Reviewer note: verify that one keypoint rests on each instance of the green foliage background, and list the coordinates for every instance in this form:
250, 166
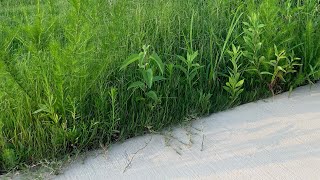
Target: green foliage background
72, 78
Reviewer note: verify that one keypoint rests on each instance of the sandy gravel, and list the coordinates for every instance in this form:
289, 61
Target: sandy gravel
277, 138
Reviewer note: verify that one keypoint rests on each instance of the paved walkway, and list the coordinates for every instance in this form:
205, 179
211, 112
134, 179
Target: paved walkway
278, 138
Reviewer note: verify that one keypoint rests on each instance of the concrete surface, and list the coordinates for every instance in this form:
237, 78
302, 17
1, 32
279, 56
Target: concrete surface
277, 138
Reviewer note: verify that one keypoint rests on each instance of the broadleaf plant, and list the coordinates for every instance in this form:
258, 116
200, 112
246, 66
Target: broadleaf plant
234, 86
148, 66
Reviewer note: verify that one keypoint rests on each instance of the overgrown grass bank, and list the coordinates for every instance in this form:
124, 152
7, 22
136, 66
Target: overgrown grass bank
76, 74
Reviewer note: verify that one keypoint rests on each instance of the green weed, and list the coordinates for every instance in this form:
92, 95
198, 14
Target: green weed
73, 75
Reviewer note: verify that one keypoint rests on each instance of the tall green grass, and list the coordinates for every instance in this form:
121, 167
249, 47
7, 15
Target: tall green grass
76, 74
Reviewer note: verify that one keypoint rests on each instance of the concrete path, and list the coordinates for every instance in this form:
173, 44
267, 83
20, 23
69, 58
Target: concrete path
278, 138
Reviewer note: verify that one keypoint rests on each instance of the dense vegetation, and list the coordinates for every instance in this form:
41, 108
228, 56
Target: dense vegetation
76, 74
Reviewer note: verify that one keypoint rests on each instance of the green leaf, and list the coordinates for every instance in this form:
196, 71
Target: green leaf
239, 92
240, 83
266, 73
196, 68
227, 89
252, 70
184, 70
195, 65
183, 59
259, 46
192, 57
152, 95
192, 75
281, 69
139, 98
159, 62
245, 23
262, 59
131, 59
170, 68
296, 64
137, 84
158, 78
282, 78
148, 77
43, 108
